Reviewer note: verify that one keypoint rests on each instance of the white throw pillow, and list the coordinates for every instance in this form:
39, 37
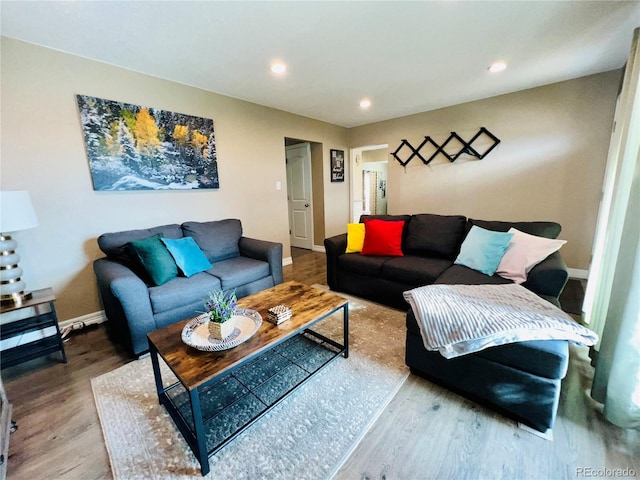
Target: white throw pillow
525, 252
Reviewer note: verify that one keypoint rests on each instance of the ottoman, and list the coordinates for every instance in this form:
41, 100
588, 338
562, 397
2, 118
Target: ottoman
520, 380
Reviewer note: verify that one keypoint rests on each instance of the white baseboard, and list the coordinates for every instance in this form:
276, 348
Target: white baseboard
287, 261
578, 273
318, 248
84, 320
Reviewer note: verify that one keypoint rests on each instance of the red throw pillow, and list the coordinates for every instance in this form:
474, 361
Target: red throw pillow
383, 237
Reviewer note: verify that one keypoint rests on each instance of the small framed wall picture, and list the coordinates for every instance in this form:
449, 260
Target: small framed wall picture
337, 165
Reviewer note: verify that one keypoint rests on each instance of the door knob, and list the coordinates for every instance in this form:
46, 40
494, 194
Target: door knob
306, 205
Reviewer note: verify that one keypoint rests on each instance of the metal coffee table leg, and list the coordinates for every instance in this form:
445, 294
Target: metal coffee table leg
201, 439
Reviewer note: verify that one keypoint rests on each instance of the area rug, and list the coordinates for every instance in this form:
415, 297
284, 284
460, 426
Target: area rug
307, 436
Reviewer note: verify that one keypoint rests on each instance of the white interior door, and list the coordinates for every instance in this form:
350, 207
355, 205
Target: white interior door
299, 195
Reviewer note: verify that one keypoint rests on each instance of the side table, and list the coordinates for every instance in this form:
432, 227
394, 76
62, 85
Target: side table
33, 315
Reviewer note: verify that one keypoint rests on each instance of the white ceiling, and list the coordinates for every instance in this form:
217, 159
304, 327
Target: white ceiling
407, 57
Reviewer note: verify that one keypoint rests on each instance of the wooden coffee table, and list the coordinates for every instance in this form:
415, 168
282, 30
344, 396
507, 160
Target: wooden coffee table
219, 394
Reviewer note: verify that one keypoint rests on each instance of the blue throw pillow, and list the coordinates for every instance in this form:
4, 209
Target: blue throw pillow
483, 249
187, 254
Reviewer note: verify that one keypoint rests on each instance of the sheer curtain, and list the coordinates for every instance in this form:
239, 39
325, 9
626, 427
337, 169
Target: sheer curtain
612, 299
370, 191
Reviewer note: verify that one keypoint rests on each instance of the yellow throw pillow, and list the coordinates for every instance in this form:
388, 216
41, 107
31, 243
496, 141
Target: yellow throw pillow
355, 237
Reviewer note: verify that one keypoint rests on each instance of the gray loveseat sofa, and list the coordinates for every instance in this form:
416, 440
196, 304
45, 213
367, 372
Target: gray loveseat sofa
135, 306
521, 380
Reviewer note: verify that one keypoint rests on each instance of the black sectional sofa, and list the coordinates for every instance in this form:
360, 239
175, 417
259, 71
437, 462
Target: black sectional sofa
521, 380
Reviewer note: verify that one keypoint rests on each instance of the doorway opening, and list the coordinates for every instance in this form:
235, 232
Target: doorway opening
305, 193
369, 166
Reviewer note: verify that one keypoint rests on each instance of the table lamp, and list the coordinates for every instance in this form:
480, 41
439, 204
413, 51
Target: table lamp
16, 213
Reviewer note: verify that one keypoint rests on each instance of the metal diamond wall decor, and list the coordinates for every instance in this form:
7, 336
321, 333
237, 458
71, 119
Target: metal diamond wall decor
466, 147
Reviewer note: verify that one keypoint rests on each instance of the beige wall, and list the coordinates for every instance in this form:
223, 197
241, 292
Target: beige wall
317, 187
379, 155
43, 152
548, 166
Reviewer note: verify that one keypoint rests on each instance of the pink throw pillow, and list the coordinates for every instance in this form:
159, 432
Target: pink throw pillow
525, 252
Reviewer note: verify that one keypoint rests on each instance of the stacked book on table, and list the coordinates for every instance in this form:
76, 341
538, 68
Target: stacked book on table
278, 314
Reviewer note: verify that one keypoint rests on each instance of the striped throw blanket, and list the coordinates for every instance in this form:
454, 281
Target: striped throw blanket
460, 319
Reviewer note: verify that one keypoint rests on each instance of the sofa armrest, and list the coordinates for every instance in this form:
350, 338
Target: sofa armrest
270, 252
334, 247
549, 277
126, 301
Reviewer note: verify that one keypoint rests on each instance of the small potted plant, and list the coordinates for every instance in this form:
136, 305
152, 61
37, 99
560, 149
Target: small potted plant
219, 308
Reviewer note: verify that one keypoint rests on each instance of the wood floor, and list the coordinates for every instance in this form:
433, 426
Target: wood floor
425, 432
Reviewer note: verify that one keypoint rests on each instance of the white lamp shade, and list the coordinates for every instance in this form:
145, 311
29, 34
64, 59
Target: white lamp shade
16, 211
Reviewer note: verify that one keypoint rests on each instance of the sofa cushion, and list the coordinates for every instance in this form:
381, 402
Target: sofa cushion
435, 235
187, 255
549, 277
483, 249
546, 358
112, 244
383, 237
365, 265
182, 291
414, 270
237, 271
540, 229
389, 218
218, 239
153, 258
461, 275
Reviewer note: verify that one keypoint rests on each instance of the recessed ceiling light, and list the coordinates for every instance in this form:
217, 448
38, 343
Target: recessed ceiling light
278, 67
497, 67
365, 103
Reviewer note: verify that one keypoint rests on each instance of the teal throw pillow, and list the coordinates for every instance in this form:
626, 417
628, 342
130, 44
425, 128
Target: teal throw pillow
483, 249
151, 254
187, 254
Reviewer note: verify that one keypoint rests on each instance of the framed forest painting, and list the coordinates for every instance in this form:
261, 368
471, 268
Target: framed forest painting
130, 147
